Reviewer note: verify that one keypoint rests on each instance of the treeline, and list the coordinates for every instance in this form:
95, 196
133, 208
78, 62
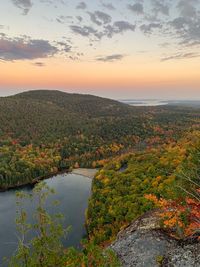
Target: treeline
42, 132
120, 189
165, 177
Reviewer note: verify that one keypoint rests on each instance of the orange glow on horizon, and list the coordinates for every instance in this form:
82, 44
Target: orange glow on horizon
99, 75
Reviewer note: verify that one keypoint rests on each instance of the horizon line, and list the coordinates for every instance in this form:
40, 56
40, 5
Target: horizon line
118, 99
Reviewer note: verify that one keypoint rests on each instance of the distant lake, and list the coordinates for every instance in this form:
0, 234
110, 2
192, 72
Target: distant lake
72, 190
144, 103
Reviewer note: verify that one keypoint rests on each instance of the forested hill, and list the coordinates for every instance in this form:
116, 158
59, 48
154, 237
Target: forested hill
42, 132
76, 103
43, 116
37, 115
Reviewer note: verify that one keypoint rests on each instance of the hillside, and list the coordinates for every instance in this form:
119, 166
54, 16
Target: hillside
48, 115
76, 103
43, 132
165, 177
30, 115
144, 155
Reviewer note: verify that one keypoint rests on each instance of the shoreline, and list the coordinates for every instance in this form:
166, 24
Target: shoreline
86, 172
89, 173
34, 181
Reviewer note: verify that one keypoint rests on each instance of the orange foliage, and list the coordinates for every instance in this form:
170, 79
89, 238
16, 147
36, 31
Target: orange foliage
179, 215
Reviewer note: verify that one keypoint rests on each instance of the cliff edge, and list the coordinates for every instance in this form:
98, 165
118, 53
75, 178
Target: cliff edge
144, 244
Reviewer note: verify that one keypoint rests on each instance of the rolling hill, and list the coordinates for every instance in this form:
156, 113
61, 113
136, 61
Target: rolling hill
34, 115
43, 132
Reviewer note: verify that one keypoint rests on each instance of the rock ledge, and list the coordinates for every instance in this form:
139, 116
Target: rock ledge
144, 244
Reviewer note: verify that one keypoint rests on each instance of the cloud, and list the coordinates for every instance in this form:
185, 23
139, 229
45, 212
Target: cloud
136, 8
79, 18
53, 2
187, 25
81, 5
158, 16
65, 47
179, 23
181, 56
148, 28
24, 48
187, 8
25, 5
110, 58
99, 18
84, 30
165, 44
159, 6
49, 2
39, 64
108, 6
122, 26
118, 27
63, 19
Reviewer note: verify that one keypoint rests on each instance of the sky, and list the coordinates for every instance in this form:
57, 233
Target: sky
116, 48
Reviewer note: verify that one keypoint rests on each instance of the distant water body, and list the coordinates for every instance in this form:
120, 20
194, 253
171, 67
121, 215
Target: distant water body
145, 103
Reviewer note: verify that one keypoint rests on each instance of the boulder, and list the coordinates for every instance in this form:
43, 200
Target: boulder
144, 244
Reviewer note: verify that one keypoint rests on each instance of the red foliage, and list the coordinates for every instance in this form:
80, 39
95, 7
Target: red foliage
181, 216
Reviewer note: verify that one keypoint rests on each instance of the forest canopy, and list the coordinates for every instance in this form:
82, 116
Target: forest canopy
43, 132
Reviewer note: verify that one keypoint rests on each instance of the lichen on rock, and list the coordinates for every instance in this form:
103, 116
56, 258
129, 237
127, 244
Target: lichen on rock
144, 244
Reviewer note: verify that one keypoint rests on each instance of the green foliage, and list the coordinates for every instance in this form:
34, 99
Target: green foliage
118, 197
91, 256
43, 132
45, 249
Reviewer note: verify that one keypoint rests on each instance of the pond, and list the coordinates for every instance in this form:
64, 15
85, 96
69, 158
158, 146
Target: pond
72, 191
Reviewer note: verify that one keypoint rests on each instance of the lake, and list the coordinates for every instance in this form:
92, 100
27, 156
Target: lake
145, 103
72, 191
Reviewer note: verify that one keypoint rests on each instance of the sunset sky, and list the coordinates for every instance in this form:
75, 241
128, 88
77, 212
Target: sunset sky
115, 48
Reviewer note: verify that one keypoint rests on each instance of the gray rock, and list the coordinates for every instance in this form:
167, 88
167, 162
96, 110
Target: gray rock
144, 244
185, 255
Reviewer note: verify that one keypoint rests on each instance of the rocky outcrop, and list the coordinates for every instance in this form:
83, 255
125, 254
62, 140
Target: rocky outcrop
145, 244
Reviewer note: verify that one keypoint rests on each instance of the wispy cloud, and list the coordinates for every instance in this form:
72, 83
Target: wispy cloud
39, 64
119, 27
160, 6
63, 19
187, 8
110, 58
181, 56
85, 31
187, 25
175, 20
109, 30
99, 17
136, 8
25, 5
81, 5
64, 47
148, 28
108, 6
